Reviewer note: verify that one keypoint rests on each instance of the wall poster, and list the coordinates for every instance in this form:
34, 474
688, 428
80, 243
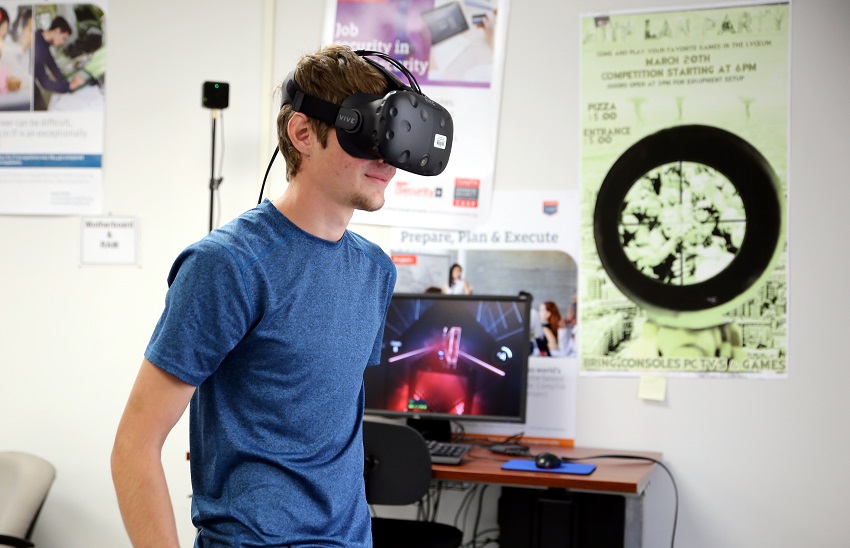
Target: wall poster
530, 244
52, 77
684, 170
455, 50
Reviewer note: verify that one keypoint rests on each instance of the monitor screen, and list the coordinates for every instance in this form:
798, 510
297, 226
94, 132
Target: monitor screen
452, 357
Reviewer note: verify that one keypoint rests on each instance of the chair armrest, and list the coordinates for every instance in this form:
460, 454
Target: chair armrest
6, 540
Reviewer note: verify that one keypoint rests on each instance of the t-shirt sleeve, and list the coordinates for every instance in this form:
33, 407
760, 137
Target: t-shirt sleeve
375, 357
207, 312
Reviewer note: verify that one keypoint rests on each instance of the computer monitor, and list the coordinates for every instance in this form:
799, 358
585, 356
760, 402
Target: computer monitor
452, 357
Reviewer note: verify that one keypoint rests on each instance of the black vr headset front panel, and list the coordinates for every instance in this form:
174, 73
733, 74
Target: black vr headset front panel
404, 128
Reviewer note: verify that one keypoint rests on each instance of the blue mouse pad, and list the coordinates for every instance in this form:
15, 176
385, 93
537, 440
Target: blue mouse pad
565, 468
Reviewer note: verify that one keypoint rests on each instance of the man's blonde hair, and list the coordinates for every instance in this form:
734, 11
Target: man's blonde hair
332, 73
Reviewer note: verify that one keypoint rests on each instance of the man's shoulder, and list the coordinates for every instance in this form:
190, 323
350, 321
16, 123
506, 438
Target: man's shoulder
372, 250
250, 234
39, 39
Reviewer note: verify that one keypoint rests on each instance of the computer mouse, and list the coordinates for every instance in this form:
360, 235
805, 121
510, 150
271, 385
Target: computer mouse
547, 460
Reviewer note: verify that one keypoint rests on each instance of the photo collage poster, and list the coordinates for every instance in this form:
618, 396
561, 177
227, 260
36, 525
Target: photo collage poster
52, 88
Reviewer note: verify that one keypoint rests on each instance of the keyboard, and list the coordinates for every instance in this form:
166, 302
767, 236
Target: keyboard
443, 452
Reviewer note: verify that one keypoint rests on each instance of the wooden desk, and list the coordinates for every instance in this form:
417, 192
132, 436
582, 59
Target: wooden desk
626, 478
616, 476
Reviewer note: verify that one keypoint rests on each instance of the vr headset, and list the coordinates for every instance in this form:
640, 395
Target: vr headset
404, 128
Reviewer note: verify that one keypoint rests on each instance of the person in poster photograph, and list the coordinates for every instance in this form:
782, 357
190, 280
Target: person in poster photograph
15, 56
550, 277
69, 57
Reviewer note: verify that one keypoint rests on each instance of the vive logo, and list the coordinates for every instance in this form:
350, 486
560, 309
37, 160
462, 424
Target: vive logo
347, 120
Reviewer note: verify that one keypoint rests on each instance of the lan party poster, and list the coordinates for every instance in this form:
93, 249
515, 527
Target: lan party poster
684, 191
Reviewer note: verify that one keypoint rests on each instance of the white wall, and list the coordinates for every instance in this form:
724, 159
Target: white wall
758, 463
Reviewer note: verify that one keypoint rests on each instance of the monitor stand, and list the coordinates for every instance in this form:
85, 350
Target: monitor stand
432, 429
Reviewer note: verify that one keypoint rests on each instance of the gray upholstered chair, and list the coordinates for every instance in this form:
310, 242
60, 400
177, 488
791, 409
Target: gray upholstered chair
24, 482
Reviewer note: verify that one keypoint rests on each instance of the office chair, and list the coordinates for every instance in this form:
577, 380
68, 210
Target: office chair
24, 482
398, 472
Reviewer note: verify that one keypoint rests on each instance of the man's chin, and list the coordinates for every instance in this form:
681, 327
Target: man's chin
364, 204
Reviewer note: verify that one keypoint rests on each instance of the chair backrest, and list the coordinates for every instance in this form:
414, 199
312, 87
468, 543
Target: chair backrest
24, 482
398, 463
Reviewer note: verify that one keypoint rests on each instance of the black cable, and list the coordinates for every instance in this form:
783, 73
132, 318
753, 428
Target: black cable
436, 504
478, 515
221, 148
656, 461
470, 492
403, 69
468, 504
460, 429
394, 62
514, 439
420, 510
424, 507
485, 541
266, 176
633, 457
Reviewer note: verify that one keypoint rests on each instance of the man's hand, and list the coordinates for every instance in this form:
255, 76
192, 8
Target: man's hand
77, 81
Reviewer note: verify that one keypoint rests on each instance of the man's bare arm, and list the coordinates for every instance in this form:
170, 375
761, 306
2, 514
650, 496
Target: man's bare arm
157, 401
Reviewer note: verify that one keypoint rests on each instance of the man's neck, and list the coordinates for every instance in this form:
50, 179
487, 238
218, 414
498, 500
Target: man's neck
48, 36
313, 213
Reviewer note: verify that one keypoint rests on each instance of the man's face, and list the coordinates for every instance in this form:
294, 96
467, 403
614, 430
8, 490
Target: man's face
59, 38
352, 182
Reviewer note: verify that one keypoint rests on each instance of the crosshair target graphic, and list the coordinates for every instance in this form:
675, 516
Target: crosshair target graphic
682, 223
687, 222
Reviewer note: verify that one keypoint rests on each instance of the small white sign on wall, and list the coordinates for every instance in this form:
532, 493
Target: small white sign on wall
108, 240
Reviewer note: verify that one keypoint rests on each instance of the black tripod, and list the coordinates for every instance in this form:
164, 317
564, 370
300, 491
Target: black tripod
216, 96
215, 182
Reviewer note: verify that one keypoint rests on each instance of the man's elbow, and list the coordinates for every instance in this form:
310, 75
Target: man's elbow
127, 452
118, 458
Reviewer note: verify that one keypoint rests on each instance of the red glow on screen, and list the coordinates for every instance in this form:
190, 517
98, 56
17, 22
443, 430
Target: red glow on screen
443, 392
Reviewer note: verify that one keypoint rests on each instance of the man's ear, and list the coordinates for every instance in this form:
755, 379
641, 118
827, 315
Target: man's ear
301, 133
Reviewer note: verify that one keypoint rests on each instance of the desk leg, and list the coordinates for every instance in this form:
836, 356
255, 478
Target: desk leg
633, 537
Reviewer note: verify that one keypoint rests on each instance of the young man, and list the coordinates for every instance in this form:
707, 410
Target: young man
268, 325
47, 73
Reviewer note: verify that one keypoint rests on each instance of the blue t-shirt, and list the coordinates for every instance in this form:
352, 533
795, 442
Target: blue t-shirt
275, 327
